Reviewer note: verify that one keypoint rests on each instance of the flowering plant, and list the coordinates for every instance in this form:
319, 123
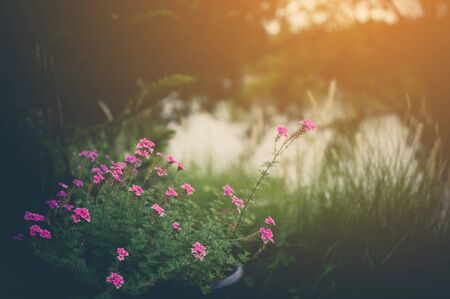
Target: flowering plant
131, 224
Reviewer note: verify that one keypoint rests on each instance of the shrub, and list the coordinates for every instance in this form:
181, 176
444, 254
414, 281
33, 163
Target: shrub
131, 224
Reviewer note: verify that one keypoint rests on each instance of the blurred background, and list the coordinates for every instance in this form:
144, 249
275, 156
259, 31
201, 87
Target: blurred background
361, 204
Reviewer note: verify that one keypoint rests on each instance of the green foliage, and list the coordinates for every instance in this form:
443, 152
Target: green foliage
157, 253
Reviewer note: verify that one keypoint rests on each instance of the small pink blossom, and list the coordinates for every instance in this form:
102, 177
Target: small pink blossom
96, 170
180, 166
104, 168
269, 220
266, 235
18, 237
35, 230
282, 131
62, 185
171, 192
68, 207
132, 159
137, 190
33, 216
239, 203
161, 171
46, 234
121, 254
307, 125
91, 155
52, 203
78, 183
171, 160
227, 190
61, 193
176, 226
116, 279
81, 213
159, 155
97, 179
158, 209
144, 148
198, 251
188, 188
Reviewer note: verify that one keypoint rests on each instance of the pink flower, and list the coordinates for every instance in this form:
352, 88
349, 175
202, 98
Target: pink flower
269, 220
188, 188
144, 148
33, 217
198, 251
68, 207
97, 179
132, 159
158, 209
180, 166
116, 170
307, 125
239, 203
116, 279
161, 171
91, 155
137, 190
282, 131
35, 230
121, 254
64, 186
170, 159
78, 183
227, 190
97, 171
52, 203
171, 192
176, 226
62, 193
81, 213
18, 237
159, 155
104, 168
266, 235
46, 234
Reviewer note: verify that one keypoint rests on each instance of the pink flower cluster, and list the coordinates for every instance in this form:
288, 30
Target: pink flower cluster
307, 125
33, 216
198, 251
98, 177
176, 226
121, 254
81, 213
116, 170
188, 188
171, 192
171, 160
91, 155
37, 230
78, 183
131, 159
62, 193
137, 190
227, 190
52, 203
269, 220
68, 207
116, 279
282, 131
239, 203
161, 171
266, 235
158, 209
144, 148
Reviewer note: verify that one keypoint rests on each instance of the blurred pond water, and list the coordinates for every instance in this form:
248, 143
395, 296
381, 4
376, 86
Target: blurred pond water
228, 138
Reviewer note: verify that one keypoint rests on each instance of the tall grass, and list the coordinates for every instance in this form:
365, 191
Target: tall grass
360, 212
